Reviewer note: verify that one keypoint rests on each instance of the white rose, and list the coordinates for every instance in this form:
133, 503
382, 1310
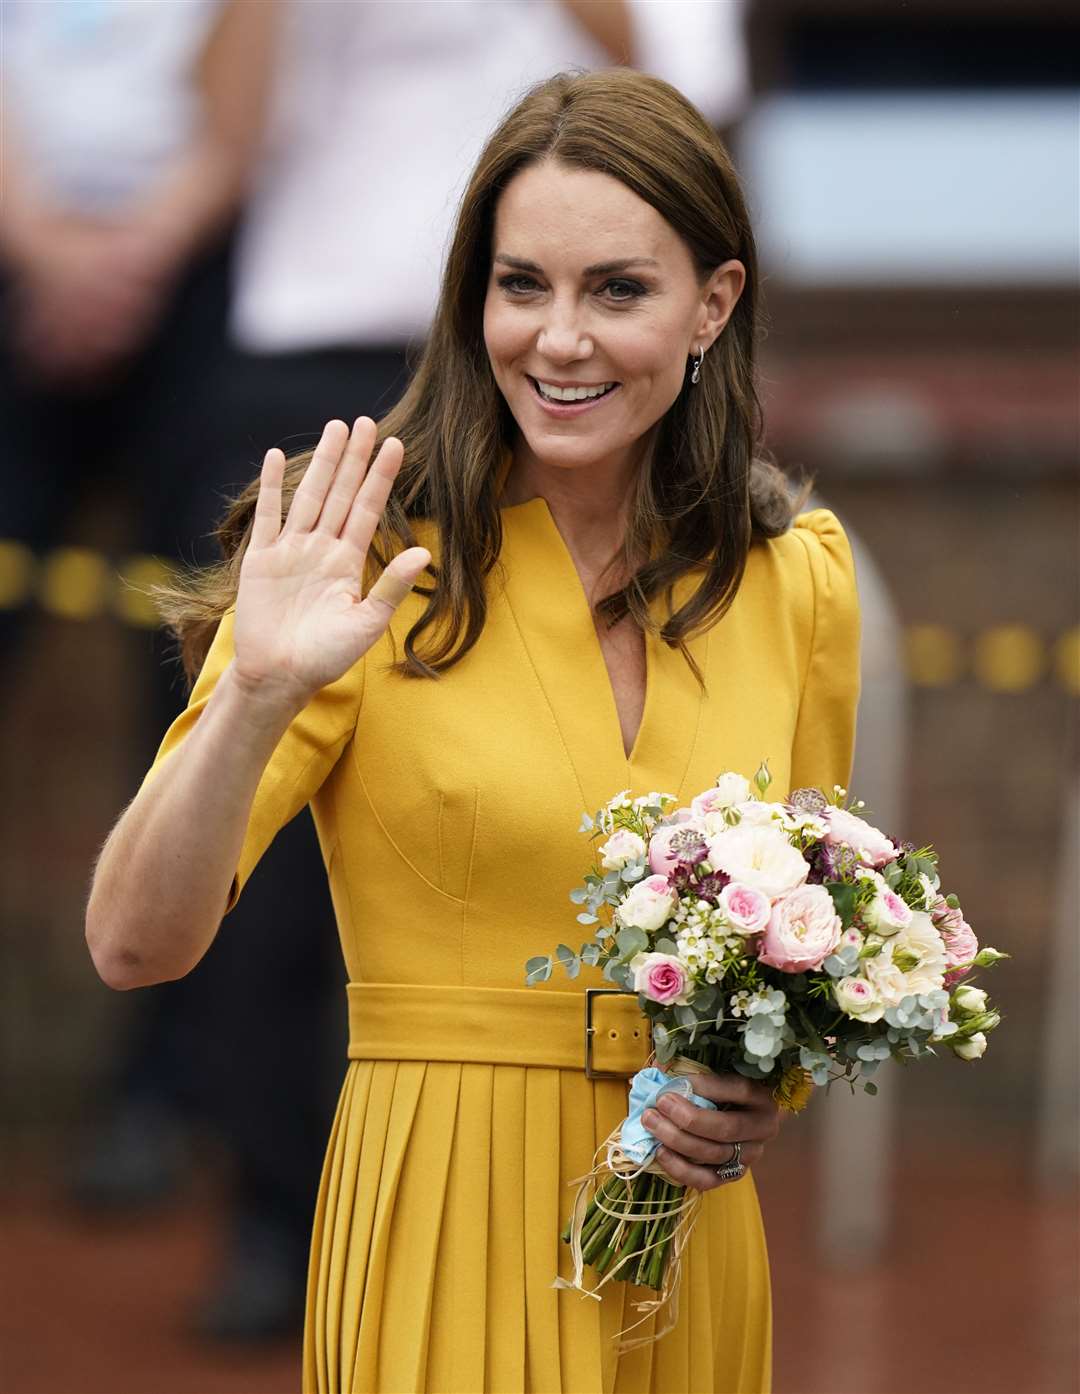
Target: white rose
970, 999
621, 848
885, 978
760, 857
972, 1048
648, 905
857, 998
755, 814
729, 789
921, 939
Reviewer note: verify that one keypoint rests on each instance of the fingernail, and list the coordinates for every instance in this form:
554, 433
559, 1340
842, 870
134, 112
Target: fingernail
649, 1118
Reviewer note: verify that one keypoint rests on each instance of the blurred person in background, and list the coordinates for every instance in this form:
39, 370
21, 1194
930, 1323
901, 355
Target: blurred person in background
128, 136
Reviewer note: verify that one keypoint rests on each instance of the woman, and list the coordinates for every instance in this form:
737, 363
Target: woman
608, 593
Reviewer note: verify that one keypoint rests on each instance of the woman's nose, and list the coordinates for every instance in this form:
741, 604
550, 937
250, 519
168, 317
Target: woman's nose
562, 340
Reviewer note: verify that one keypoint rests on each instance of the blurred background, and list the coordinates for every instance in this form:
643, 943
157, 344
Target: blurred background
220, 225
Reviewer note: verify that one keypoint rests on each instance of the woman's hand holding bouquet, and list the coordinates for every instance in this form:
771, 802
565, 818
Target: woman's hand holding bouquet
773, 947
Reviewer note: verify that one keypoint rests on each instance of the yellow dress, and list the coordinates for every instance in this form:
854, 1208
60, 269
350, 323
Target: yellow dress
448, 815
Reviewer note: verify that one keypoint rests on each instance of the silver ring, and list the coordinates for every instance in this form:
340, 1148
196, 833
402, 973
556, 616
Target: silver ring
733, 1169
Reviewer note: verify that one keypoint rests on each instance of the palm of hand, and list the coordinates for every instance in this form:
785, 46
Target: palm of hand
301, 621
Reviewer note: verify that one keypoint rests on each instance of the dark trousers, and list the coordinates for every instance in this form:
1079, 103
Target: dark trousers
253, 1038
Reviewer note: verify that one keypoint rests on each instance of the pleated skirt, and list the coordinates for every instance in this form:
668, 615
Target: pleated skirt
436, 1240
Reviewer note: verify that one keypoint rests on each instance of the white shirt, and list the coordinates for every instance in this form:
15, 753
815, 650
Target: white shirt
99, 93
381, 110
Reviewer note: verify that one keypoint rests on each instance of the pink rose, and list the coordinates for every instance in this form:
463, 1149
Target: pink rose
869, 844
661, 977
802, 932
961, 946
747, 909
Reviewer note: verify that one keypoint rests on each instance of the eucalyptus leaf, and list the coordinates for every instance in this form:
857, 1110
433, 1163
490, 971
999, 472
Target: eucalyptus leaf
537, 970
631, 941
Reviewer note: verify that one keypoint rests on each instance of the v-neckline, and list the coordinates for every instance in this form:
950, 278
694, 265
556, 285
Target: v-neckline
557, 628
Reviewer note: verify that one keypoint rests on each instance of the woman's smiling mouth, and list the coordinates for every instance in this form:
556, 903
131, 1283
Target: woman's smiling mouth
571, 399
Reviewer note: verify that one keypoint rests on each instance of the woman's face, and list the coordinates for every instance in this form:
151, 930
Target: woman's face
592, 289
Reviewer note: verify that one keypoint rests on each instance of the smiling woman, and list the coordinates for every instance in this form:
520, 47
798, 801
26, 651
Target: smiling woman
577, 539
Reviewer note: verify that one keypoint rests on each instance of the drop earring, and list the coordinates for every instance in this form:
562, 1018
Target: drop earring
695, 376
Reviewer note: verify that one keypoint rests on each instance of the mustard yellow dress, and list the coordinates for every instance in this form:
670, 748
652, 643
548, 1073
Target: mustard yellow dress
448, 815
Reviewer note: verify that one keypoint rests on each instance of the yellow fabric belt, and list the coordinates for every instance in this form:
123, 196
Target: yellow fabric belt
496, 1026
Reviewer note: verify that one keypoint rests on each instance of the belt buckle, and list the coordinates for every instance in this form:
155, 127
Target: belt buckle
591, 993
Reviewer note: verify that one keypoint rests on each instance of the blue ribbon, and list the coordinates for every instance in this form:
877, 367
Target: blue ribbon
645, 1088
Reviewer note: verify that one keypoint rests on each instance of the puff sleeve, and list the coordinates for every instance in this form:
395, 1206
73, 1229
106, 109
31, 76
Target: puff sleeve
301, 762
824, 741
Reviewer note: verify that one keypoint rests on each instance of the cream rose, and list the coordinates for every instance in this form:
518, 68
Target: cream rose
648, 905
972, 1047
760, 857
729, 789
886, 913
970, 1000
857, 998
802, 932
868, 843
621, 848
919, 941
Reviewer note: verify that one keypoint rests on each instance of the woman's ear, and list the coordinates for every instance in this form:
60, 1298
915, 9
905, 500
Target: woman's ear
719, 296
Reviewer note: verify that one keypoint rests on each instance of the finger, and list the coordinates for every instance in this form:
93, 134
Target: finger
729, 1088
267, 521
308, 500
367, 507
703, 1178
713, 1147
349, 477
717, 1125
396, 582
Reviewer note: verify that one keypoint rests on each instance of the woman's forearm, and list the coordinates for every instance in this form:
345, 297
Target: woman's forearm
163, 878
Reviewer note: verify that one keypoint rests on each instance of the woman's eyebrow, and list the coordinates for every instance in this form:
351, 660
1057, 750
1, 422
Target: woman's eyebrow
602, 268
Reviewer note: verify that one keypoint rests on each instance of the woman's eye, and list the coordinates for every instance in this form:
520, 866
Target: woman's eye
624, 290
517, 285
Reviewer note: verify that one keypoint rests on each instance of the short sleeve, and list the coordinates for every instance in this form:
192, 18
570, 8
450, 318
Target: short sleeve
824, 743
301, 762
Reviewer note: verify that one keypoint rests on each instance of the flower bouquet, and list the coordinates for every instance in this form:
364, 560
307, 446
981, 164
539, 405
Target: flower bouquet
791, 942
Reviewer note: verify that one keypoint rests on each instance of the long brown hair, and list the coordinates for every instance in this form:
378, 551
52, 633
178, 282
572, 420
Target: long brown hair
702, 496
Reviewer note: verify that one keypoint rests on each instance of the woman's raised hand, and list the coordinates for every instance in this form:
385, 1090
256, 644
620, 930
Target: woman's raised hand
301, 621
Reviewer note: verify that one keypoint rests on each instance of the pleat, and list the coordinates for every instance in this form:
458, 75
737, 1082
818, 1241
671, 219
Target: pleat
459, 1310
416, 1222
436, 1239
579, 1316
543, 1223
505, 1359
395, 1094
320, 1316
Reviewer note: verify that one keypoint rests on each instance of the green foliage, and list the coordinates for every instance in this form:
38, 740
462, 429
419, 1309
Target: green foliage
537, 970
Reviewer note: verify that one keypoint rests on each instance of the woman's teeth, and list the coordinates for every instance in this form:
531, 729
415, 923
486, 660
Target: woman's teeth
572, 394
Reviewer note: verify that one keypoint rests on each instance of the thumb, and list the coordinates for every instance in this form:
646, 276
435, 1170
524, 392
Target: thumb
397, 580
